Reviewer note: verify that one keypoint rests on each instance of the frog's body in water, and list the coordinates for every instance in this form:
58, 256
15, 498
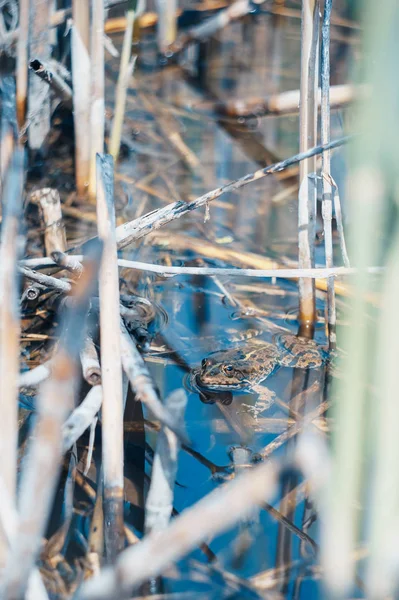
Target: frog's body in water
244, 368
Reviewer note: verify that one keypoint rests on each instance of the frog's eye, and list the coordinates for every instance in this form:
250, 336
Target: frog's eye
228, 370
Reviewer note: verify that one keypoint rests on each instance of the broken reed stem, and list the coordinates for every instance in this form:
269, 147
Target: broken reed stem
97, 113
35, 376
159, 503
166, 24
279, 104
308, 138
39, 104
209, 517
22, 61
40, 475
68, 262
111, 367
81, 418
54, 229
238, 9
10, 325
327, 188
80, 45
143, 387
340, 225
53, 80
91, 368
125, 73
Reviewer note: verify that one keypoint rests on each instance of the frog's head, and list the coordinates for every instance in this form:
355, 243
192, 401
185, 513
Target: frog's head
227, 370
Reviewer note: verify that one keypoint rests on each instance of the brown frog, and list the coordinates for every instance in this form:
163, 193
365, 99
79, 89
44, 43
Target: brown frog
245, 368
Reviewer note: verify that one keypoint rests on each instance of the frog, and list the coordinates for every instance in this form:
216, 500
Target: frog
245, 368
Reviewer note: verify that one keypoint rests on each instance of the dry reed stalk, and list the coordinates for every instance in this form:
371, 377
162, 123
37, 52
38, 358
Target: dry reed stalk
340, 225
307, 139
45, 280
80, 45
279, 104
9, 524
97, 110
166, 24
68, 262
35, 376
327, 206
43, 461
235, 11
125, 73
292, 431
56, 18
81, 418
142, 385
91, 368
39, 478
60, 88
365, 439
280, 272
10, 326
159, 503
169, 128
39, 105
54, 229
133, 230
111, 366
22, 61
8, 125
212, 515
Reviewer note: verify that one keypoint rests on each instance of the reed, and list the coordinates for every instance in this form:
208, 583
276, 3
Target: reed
38, 97
97, 110
42, 465
365, 404
80, 52
10, 326
307, 139
111, 363
326, 170
22, 61
125, 73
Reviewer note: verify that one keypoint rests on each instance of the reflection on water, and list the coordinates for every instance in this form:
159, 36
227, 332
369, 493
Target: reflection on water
193, 316
205, 314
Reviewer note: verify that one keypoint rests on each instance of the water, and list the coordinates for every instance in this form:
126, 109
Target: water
199, 314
